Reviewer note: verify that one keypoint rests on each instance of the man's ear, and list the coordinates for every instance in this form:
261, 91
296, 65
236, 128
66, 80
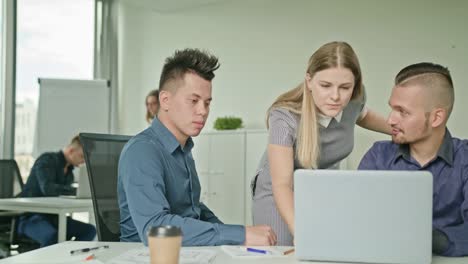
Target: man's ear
164, 99
438, 117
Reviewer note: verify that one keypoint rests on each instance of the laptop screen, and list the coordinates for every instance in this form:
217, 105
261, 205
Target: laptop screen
363, 216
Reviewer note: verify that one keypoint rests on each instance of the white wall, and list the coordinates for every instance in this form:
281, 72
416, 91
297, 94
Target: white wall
264, 46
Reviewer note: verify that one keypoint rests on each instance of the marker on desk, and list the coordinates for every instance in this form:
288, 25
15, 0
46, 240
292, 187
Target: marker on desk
84, 250
256, 250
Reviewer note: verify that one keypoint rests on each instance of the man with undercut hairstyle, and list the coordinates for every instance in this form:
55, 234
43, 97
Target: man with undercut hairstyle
52, 175
421, 102
158, 183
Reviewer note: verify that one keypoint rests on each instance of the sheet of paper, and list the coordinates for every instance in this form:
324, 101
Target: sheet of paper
242, 252
93, 261
187, 256
63, 261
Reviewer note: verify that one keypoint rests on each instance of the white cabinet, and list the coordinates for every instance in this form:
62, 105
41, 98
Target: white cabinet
225, 162
219, 159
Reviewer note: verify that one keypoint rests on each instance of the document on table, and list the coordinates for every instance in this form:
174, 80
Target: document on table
256, 252
80, 259
187, 256
62, 261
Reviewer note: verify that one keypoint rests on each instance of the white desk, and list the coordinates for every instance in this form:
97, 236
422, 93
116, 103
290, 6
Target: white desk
59, 253
49, 205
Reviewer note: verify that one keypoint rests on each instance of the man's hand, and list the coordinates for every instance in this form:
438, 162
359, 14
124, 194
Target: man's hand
261, 235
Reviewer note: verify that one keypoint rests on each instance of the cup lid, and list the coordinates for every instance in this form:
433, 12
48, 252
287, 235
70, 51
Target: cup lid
164, 231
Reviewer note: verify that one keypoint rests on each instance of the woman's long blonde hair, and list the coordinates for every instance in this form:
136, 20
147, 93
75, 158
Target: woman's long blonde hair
300, 100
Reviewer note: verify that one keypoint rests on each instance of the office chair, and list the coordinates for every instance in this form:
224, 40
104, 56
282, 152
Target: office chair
102, 153
11, 185
9, 174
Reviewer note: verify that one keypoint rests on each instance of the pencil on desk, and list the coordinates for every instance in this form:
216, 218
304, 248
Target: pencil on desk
288, 251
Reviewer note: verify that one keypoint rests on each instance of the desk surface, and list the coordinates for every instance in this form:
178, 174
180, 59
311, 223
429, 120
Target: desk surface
49, 205
59, 253
46, 202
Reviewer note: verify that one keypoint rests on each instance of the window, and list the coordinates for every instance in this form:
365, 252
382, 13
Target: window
55, 39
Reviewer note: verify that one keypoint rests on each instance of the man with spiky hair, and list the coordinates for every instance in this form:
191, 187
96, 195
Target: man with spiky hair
421, 102
158, 183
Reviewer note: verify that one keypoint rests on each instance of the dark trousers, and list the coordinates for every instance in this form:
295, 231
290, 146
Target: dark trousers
43, 229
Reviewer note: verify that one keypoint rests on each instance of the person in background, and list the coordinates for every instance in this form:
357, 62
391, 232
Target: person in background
152, 105
52, 175
311, 127
421, 102
157, 182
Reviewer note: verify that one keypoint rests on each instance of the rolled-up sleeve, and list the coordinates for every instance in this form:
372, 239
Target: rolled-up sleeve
143, 178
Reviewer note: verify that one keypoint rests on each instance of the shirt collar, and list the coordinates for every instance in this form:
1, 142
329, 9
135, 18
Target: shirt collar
167, 139
445, 151
326, 120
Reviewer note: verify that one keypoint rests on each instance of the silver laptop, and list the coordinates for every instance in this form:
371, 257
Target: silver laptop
363, 216
84, 190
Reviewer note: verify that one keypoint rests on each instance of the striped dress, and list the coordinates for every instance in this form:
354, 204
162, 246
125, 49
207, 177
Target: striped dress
336, 143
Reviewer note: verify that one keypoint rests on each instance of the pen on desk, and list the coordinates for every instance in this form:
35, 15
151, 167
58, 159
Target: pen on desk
84, 250
288, 251
255, 250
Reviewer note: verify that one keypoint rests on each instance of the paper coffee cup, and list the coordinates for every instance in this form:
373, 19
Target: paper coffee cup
164, 244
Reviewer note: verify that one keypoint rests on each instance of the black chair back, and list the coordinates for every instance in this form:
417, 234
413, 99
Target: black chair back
102, 153
11, 185
11, 182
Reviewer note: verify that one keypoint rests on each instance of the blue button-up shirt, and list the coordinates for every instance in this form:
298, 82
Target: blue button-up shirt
450, 177
158, 185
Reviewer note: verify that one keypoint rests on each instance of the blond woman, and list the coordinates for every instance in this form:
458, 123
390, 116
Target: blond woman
310, 126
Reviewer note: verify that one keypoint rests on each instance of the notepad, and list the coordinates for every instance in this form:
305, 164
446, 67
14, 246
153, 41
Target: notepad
242, 252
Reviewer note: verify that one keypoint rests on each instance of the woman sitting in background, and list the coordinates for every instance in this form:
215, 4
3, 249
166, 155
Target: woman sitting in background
152, 105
